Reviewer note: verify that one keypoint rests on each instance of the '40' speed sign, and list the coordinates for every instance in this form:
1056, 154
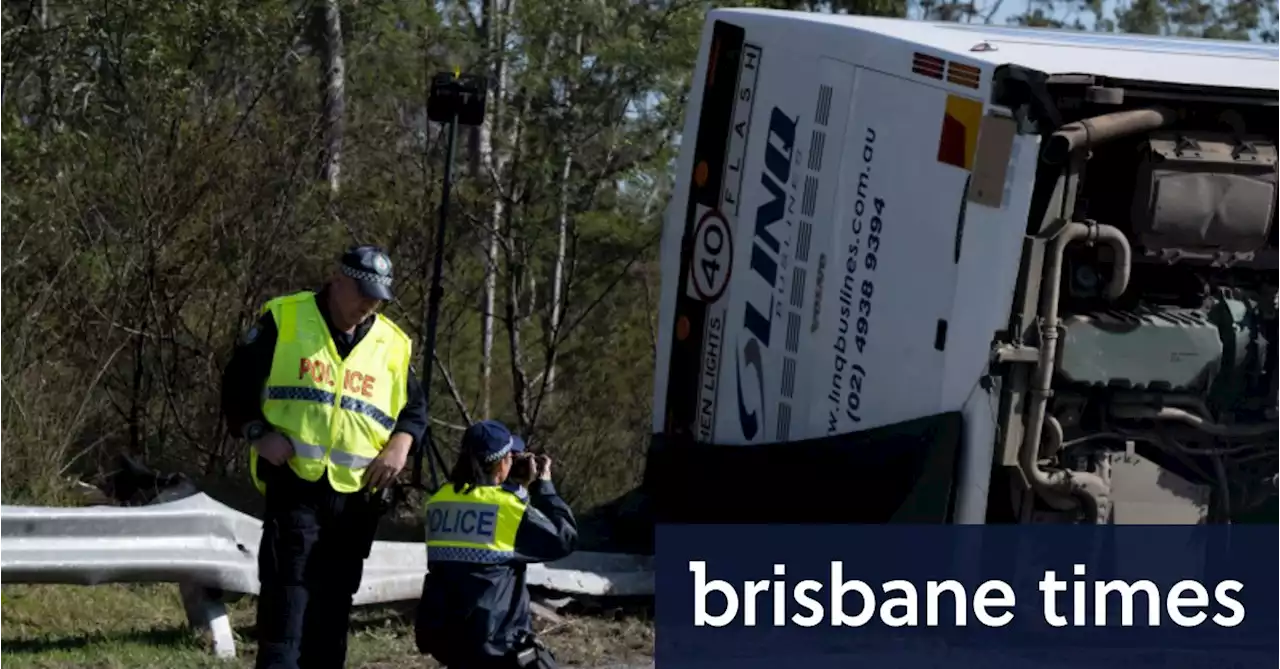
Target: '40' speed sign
712, 256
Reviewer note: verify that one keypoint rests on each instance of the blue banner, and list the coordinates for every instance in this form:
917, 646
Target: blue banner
907, 597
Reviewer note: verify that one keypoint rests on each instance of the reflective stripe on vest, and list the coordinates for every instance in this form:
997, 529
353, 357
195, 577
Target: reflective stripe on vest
341, 458
337, 413
476, 527
325, 397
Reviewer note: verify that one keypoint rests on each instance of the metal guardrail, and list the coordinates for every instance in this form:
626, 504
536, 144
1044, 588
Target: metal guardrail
209, 548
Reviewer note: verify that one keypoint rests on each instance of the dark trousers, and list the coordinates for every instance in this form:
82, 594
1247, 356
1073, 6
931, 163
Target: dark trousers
453, 655
310, 562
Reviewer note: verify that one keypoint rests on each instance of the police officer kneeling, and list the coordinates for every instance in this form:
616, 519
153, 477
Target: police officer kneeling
474, 611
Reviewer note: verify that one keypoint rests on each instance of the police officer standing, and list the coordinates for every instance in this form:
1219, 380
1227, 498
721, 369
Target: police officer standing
322, 389
481, 535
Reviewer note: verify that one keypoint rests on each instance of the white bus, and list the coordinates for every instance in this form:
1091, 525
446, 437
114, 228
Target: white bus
976, 273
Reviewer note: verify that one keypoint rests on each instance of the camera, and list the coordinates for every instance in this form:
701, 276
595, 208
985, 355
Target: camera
522, 467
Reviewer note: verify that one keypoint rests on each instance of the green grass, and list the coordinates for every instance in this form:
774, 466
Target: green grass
109, 626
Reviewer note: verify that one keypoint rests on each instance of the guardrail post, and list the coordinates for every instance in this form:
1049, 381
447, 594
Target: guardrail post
206, 611
206, 608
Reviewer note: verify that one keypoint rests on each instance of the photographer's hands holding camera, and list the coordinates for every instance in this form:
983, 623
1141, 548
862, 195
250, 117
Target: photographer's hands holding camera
539, 468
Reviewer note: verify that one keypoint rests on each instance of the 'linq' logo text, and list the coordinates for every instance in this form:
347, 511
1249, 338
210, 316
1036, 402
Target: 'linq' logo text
757, 322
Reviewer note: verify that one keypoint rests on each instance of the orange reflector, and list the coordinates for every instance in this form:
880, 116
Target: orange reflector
711, 62
682, 328
963, 75
700, 173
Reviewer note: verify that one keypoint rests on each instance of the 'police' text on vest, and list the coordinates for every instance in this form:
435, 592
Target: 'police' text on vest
462, 521
352, 382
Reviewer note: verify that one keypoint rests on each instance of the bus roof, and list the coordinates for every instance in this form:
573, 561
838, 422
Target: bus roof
1188, 61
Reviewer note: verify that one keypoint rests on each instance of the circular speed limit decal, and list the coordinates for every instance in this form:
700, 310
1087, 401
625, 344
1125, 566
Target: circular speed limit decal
712, 256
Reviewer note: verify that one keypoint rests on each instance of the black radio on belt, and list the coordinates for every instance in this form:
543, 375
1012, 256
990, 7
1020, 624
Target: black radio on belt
382, 500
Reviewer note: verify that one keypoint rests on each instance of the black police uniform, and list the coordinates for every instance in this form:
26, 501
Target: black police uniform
315, 539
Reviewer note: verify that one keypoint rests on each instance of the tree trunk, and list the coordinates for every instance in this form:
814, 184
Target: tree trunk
494, 160
329, 17
562, 234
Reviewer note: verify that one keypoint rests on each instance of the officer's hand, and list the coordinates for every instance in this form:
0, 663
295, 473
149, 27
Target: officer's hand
274, 448
543, 465
389, 463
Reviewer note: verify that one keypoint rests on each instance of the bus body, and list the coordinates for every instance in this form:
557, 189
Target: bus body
967, 274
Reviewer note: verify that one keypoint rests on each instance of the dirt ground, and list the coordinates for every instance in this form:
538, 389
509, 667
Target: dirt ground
110, 626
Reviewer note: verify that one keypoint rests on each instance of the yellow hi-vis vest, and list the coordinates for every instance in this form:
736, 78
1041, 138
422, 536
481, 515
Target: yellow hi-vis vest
477, 527
338, 413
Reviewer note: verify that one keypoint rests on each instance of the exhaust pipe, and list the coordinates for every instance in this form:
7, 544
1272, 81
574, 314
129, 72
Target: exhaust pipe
1052, 485
1090, 132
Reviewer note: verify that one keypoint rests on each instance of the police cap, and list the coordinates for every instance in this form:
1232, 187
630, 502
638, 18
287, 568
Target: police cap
371, 269
488, 440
